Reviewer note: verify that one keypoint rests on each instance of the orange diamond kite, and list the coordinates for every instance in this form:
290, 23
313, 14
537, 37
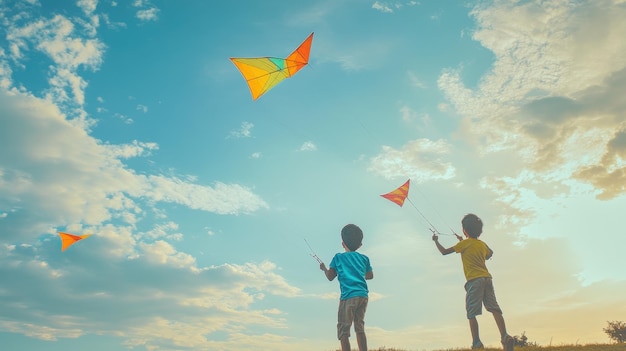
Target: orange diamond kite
399, 195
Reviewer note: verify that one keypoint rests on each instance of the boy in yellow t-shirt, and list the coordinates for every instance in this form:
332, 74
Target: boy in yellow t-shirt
479, 285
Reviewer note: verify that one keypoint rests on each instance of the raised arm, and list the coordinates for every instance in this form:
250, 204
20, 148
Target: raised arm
442, 249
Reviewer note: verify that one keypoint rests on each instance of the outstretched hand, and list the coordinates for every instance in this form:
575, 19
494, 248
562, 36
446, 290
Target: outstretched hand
458, 236
323, 267
435, 237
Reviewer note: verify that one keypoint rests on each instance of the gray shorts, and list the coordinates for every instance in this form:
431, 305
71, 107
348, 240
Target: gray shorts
480, 291
351, 310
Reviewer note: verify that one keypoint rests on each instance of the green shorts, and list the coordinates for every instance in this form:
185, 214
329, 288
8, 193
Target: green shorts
480, 291
351, 310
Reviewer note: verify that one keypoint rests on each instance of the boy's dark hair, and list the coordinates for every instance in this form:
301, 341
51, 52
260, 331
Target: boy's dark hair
472, 225
352, 236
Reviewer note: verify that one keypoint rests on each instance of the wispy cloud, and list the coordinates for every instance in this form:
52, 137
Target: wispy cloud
147, 12
308, 146
420, 160
88, 6
382, 7
123, 118
244, 131
68, 46
150, 14
388, 7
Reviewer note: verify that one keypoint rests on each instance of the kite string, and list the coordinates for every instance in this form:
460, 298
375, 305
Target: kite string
313, 254
436, 212
432, 228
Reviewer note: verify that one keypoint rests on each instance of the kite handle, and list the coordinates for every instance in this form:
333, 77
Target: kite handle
313, 254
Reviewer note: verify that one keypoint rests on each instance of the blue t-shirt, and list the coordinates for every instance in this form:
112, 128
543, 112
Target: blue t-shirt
351, 267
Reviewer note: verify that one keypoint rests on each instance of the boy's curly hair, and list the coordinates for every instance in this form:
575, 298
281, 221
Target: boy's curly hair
352, 236
473, 225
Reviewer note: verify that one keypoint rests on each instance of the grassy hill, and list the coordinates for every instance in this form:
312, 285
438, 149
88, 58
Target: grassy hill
593, 347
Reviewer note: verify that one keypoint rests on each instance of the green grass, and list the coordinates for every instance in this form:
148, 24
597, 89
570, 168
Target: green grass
591, 347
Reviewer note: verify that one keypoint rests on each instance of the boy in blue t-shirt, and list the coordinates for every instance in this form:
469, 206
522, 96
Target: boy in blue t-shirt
352, 268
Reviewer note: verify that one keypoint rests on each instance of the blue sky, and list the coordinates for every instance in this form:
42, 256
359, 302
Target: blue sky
127, 120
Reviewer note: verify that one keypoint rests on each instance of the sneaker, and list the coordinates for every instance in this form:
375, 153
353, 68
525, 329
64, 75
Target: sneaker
508, 342
478, 345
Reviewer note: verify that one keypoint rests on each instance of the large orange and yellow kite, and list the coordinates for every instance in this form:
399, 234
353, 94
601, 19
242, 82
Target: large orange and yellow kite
68, 240
263, 73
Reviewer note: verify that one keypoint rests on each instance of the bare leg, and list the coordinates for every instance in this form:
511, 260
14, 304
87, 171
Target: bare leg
345, 343
474, 329
507, 341
361, 339
500, 322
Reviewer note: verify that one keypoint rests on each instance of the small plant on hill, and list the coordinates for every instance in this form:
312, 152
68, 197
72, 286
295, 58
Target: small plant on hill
522, 341
616, 331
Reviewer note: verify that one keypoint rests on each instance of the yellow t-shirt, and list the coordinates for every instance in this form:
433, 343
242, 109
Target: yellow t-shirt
473, 254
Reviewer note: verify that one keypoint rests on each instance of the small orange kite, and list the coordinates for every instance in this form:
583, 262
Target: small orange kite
399, 195
68, 240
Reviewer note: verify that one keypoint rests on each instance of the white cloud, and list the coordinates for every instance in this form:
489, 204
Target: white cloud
135, 149
163, 253
150, 14
244, 131
308, 146
123, 118
55, 174
88, 6
60, 40
110, 24
163, 231
382, 7
550, 108
221, 199
420, 160
176, 306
